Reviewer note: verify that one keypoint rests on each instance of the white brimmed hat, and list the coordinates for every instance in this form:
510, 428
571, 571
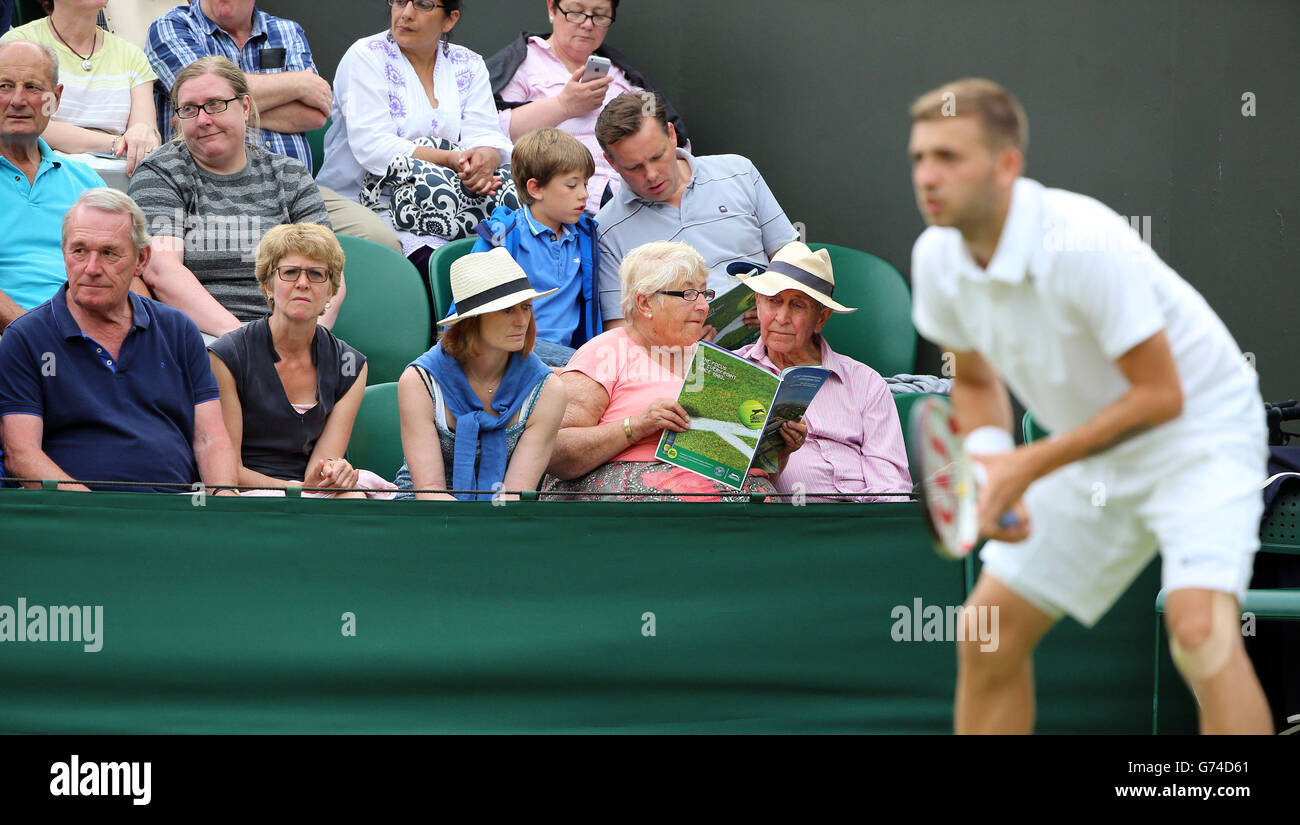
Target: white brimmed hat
794, 266
483, 282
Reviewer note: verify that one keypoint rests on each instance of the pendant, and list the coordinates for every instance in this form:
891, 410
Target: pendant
85, 64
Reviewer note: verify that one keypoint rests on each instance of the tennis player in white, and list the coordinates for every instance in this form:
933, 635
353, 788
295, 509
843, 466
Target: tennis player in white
1159, 434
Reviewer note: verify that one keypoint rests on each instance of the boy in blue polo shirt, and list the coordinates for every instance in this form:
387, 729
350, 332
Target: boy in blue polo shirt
552, 239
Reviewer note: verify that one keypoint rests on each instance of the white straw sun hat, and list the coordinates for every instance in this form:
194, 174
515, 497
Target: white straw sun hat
483, 282
794, 266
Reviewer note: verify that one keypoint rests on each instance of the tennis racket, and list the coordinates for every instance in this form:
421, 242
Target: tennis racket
948, 488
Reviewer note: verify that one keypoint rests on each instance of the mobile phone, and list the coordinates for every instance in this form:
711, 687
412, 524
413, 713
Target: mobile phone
597, 67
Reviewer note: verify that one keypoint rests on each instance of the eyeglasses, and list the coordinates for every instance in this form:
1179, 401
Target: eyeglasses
212, 107
422, 5
290, 273
689, 294
600, 21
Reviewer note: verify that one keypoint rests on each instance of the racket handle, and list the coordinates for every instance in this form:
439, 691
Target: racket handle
1008, 520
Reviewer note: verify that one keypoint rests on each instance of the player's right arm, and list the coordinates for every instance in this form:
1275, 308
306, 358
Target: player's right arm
978, 395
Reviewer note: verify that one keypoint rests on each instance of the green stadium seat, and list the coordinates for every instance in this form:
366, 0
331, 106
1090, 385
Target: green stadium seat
440, 274
316, 140
376, 443
880, 334
906, 401
1030, 429
1280, 532
385, 313
25, 11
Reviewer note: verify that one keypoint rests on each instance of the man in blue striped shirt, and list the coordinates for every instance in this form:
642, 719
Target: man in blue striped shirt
273, 52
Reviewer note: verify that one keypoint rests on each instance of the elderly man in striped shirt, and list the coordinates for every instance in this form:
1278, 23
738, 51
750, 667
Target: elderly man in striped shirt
855, 449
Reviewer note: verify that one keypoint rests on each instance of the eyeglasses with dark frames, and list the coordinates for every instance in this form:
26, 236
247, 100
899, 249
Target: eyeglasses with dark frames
291, 274
689, 295
422, 5
212, 107
577, 18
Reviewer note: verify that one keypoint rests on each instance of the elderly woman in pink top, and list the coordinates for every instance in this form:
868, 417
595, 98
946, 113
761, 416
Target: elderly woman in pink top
623, 387
537, 82
855, 445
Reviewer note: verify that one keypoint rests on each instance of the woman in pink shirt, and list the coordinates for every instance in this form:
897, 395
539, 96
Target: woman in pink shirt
536, 81
855, 447
623, 387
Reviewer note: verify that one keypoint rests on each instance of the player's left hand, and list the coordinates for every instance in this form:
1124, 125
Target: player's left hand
751, 318
1006, 477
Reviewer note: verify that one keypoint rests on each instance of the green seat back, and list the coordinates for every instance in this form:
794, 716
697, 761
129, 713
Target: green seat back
25, 11
1031, 429
1280, 532
440, 274
376, 443
880, 333
316, 141
385, 313
906, 401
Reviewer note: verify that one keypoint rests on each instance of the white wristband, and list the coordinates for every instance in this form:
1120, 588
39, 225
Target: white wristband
984, 440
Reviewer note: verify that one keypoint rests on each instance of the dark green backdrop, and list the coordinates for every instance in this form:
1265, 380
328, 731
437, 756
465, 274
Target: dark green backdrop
1136, 104
229, 617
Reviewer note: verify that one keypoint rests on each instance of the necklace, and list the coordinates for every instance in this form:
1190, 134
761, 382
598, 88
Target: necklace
483, 384
94, 39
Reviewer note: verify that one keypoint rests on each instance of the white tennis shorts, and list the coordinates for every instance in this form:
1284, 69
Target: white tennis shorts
1096, 524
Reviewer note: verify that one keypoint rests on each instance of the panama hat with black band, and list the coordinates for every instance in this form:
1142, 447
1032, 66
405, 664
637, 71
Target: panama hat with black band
483, 282
794, 266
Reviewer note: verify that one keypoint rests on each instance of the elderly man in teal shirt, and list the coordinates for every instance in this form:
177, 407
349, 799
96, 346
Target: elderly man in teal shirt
36, 185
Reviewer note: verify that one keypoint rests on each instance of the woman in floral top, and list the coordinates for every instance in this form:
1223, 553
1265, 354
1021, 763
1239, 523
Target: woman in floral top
407, 83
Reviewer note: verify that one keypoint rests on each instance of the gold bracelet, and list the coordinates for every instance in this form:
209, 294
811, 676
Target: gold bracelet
627, 429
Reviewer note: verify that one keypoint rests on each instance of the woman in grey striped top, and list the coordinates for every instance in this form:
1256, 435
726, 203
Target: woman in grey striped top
211, 195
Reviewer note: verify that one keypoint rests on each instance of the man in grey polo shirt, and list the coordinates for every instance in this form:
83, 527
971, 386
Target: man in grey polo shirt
719, 204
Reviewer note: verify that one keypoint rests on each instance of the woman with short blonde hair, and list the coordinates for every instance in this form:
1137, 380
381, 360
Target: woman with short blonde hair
290, 390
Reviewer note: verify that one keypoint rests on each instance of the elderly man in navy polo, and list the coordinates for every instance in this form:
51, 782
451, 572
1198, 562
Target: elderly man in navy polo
101, 384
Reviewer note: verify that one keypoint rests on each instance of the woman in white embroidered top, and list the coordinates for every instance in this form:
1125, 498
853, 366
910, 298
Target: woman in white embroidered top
407, 83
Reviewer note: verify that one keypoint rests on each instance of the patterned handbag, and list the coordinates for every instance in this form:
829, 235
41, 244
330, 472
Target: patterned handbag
429, 199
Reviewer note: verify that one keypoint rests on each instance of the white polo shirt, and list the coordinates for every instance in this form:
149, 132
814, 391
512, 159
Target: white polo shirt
1070, 289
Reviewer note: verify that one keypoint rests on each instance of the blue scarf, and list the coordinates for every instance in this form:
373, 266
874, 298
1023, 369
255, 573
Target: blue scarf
475, 429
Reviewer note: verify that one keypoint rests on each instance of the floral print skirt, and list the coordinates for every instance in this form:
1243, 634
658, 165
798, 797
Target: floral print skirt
653, 480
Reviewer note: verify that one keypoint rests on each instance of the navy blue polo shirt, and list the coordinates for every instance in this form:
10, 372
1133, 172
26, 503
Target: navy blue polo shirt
129, 419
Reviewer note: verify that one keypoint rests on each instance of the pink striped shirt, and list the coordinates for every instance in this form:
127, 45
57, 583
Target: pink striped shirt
542, 75
855, 444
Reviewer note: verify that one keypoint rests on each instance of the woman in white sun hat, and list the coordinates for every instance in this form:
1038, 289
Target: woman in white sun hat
855, 444
480, 409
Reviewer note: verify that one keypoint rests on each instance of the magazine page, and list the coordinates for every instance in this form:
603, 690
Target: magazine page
798, 387
726, 315
727, 399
